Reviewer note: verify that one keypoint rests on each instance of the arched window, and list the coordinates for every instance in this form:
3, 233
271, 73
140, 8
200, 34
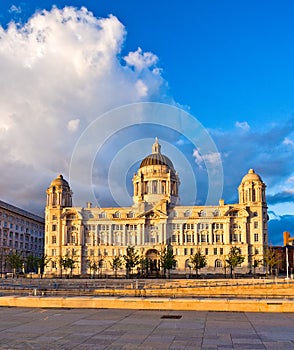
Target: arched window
102, 215
187, 213
116, 215
218, 263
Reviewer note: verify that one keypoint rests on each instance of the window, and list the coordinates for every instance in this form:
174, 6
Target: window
174, 238
217, 226
116, 215
54, 227
203, 226
218, 263
215, 251
190, 238
202, 213
188, 227
255, 224
53, 252
255, 237
54, 217
176, 226
102, 215
185, 251
187, 213
206, 251
54, 239
221, 251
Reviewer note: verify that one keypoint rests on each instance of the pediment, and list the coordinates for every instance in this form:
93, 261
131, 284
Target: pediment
241, 212
153, 214
71, 211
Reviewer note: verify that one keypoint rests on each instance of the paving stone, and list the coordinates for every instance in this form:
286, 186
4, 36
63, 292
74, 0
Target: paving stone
64, 329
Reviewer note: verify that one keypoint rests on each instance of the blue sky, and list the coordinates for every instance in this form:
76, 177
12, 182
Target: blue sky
227, 63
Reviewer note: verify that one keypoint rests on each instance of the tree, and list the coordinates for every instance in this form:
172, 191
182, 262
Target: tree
272, 258
198, 261
234, 258
144, 265
93, 266
116, 264
256, 263
15, 260
167, 260
132, 259
42, 262
31, 263
67, 263
70, 264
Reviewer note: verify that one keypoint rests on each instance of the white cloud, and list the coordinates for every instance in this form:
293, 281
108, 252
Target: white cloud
15, 9
288, 141
73, 125
141, 60
243, 126
60, 64
213, 158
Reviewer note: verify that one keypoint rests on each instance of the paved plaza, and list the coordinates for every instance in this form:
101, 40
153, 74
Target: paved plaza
27, 328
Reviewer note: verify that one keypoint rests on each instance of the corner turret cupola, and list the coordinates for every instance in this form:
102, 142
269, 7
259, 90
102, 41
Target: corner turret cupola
59, 194
252, 189
156, 179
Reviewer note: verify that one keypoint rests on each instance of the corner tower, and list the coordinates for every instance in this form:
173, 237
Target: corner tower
252, 189
252, 197
156, 179
59, 197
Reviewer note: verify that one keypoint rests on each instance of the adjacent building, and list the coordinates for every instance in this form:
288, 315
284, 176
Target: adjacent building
21, 232
154, 221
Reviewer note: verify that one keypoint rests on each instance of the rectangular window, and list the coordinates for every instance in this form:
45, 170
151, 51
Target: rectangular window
54, 227
215, 251
221, 251
206, 251
255, 237
53, 239
185, 251
255, 224
53, 252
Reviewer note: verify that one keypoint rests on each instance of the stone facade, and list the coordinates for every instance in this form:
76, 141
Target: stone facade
21, 232
154, 221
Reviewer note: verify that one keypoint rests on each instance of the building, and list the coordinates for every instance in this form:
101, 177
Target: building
21, 232
156, 220
288, 240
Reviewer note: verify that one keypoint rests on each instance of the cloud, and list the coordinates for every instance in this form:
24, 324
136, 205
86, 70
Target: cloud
243, 126
73, 125
281, 197
214, 158
277, 226
140, 60
15, 9
60, 64
287, 141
